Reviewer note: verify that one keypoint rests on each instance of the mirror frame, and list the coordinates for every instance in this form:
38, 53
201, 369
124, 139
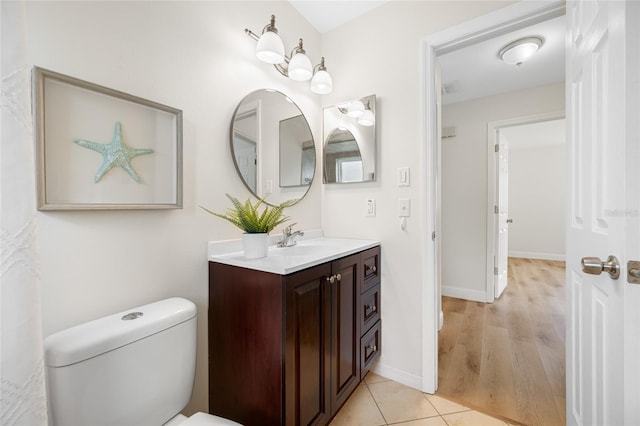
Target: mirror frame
368, 148
236, 112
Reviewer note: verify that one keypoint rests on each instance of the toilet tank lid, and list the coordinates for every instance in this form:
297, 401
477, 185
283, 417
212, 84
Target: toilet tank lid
96, 337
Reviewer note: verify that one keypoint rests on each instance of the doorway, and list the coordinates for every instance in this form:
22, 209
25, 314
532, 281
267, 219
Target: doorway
532, 206
503, 21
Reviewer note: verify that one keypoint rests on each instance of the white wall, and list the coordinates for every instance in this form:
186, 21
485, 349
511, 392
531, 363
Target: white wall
379, 54
193, 56
537, 196
464, 182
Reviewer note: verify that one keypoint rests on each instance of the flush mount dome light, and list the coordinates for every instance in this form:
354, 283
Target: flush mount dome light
516, 52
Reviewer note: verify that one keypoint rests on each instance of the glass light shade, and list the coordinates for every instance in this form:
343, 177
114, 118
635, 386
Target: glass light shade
520, 50
367, 118
270, 48
300, 68
321, 83
356, 109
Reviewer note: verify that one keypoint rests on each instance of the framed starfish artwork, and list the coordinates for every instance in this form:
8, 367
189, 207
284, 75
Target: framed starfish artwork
99, 148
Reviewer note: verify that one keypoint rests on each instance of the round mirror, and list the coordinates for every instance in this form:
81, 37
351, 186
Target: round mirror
272, 147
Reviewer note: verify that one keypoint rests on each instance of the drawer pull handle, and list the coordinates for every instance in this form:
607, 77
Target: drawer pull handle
372, 348
371, 268
370, 308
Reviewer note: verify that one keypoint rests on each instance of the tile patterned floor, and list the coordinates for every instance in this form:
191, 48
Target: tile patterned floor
380, 402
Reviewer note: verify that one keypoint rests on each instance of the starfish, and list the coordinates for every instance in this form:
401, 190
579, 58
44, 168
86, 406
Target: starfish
115, 153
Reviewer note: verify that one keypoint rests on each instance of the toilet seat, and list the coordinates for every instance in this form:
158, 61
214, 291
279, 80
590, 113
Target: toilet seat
204, 419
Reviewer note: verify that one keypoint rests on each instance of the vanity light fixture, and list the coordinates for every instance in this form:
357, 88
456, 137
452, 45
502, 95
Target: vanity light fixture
358, 110
355, 109
367, 118
516, 52
270, 49
321, 83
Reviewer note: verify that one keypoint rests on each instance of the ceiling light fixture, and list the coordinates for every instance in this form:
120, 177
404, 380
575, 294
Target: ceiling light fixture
270, 49
516, 52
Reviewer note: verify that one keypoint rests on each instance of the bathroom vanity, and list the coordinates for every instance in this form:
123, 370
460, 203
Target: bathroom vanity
292, 335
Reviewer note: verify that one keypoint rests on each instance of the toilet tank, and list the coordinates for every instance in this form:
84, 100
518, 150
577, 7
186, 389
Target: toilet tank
135, 367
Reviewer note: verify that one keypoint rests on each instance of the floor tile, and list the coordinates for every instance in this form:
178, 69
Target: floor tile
444, 406
399, 403
430, 421
359, 410
374, 378
472, 418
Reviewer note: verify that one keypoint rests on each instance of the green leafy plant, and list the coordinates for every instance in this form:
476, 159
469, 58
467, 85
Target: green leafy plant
247, 217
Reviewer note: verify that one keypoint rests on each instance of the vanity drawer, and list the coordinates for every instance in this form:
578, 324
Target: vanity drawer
369, 349
370, 308
370, 268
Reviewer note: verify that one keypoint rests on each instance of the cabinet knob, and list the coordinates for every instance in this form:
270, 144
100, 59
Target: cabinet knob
371, 268
331, 279
372, 348
370, 308
339, 277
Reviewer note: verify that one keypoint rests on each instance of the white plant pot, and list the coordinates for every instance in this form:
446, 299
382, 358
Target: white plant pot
255, 246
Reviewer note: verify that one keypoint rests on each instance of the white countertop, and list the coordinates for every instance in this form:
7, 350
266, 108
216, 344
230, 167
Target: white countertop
312, 249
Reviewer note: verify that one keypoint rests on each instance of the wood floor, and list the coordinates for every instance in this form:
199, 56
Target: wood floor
508, 357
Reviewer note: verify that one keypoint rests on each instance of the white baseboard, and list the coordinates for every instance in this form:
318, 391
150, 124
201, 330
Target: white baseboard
463, 293
534, 255
399, 376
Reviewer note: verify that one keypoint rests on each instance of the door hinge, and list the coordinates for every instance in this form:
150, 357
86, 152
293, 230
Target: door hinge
496, 147
496, 210
433, 236
495, 270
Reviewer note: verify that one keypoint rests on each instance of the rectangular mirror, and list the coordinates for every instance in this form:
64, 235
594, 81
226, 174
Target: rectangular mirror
297, 153
349, 134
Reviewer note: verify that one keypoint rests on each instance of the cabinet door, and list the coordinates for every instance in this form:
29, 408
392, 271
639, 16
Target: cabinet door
308, 346
345, 330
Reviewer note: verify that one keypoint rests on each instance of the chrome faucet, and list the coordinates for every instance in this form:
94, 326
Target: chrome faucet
288, 237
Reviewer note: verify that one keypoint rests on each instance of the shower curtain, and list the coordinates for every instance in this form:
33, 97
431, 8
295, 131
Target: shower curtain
23, 399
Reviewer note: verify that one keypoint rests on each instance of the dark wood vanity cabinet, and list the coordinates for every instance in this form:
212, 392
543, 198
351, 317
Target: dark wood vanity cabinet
290, 349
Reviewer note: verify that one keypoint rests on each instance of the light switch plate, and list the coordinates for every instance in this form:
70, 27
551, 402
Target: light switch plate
404, 207
403, 176
269, 186
370, 208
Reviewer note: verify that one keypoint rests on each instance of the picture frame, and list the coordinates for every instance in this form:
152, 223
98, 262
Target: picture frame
101, 149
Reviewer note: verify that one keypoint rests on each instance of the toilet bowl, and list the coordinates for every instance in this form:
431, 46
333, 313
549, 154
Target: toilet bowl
133, 368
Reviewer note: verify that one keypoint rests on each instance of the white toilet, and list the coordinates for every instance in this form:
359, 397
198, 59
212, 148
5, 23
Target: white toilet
133, 368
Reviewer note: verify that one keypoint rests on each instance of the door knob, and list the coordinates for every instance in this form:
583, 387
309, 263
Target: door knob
509, 220
594, 266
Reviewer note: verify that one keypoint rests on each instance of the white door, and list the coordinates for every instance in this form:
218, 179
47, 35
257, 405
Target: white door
602, 320
502, 216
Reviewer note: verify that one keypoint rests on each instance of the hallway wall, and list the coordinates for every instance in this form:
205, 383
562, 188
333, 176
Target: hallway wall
464, 182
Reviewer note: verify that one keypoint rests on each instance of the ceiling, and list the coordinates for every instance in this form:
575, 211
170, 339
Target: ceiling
326, 15
474, 71
477, 71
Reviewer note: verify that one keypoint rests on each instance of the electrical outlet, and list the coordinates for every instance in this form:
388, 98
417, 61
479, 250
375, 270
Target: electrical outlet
404, 207
370, 208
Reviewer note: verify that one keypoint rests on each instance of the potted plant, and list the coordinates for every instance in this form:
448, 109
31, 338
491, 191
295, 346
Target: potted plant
256, 225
